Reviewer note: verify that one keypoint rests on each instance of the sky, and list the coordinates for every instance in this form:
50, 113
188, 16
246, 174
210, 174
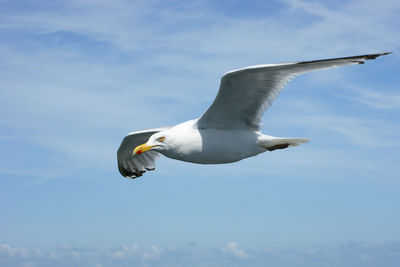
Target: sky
77, 75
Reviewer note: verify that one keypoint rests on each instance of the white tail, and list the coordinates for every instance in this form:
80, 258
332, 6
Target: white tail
272, 143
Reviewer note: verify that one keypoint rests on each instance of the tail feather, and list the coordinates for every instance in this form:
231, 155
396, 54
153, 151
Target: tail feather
273, 143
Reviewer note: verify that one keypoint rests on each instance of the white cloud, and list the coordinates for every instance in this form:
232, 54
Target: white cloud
153, 254
232, 249
125, 252
7, 250
133, 252
345, 254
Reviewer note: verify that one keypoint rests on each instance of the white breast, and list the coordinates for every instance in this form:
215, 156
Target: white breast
210, 146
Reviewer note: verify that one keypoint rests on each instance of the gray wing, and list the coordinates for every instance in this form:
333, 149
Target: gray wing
245, 94
130, 165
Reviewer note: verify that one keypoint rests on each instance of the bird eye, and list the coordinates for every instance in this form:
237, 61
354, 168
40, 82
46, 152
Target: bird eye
161, 139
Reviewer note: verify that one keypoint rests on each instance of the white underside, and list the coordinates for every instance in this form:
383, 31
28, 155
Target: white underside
216, 146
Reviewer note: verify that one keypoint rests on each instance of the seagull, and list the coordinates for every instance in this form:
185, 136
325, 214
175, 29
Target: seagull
230, 130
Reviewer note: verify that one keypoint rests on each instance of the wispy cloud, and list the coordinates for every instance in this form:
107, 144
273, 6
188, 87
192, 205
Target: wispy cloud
7, 251
154, 253
125, 252
344, 254
350, 21
359, 132
380, 100
232, 249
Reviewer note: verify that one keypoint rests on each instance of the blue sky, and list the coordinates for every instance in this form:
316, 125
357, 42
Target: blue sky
76, 76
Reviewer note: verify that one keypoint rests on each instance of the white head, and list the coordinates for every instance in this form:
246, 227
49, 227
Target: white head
158, 142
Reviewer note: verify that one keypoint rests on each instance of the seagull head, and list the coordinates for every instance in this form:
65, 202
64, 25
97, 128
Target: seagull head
157, 141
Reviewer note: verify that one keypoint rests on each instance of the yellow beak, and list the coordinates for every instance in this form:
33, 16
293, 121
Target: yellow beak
142, 148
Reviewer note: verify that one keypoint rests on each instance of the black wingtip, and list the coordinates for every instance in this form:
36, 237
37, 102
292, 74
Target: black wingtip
374, 56
129, 174
355, 59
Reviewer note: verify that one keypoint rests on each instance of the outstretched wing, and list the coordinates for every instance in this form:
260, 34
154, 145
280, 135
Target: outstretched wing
133, 165
245, 94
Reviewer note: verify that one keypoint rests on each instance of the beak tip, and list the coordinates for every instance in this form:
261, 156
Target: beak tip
140, 149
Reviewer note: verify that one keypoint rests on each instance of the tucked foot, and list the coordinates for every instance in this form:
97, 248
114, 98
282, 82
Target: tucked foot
279, 146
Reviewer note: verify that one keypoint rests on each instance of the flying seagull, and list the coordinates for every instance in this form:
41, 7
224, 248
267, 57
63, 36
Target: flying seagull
229, 130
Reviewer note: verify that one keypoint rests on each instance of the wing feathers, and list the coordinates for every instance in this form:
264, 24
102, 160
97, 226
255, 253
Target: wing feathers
130, 165
245, 94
